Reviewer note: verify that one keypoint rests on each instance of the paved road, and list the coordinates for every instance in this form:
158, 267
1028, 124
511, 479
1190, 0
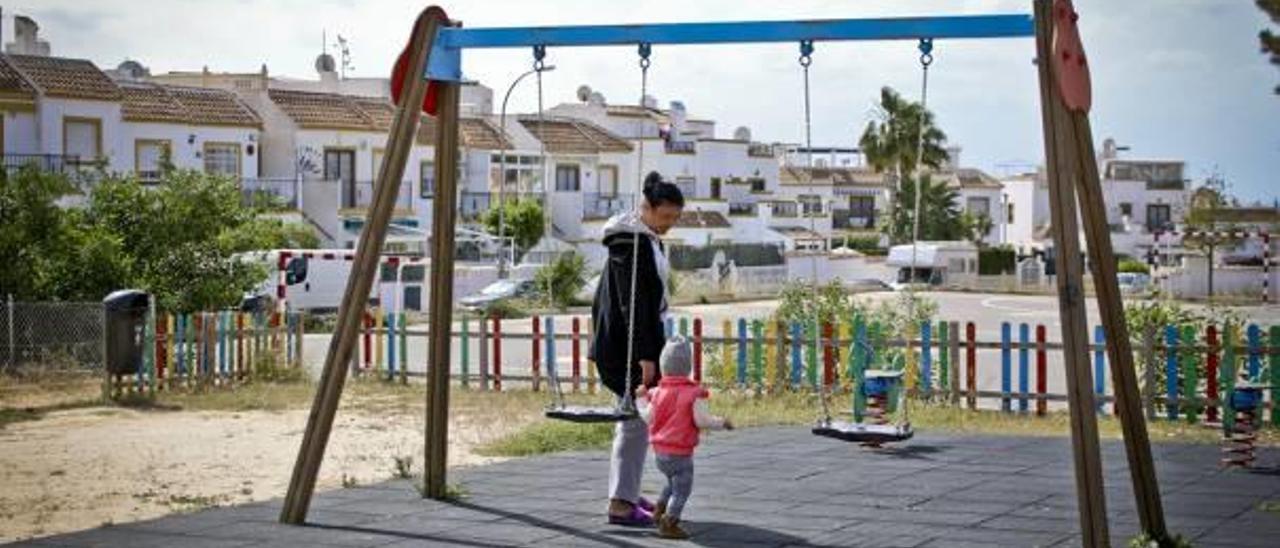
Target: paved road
764, 488
987, 311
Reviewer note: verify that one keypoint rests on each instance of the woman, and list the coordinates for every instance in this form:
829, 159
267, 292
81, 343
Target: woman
630, 237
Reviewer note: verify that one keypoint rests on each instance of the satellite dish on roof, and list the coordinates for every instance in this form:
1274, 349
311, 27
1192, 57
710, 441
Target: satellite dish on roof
325, 63
742, 134
596, 98
584, 93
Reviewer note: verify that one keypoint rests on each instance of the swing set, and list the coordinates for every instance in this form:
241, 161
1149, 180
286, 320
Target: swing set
427, 78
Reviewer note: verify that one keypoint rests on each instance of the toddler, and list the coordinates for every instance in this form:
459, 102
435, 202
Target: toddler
676, 411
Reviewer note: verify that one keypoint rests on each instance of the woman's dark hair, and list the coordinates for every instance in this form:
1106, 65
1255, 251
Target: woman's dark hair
658, 192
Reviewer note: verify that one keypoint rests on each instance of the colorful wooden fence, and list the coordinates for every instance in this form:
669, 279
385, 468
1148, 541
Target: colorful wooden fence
941, 360
210, 350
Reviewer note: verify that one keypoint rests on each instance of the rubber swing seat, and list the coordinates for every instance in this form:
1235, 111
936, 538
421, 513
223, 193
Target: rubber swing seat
584, 414
863, 433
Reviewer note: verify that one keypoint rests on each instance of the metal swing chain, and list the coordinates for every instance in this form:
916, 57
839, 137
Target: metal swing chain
628, 399
540, 53
806, 59
926, 59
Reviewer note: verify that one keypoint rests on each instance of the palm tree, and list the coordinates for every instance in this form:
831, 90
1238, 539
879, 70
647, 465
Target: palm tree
940, 218
902, 130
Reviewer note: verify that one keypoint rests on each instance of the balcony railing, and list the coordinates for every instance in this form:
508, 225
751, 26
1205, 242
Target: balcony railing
359, 195
270, 193
759, 150
850, 219
52, 163
603, 206
681, 147
742, 209
473, 205
784, 209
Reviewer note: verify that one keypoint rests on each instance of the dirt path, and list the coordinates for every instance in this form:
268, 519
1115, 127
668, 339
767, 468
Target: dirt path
82, 468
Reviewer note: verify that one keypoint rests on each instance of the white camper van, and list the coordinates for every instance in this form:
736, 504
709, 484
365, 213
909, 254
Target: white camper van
316, 279
936, 263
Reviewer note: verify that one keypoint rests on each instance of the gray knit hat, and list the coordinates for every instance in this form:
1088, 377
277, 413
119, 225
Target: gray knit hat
677, 357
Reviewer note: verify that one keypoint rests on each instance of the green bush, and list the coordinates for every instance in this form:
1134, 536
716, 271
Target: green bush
1128, 264
562, 278
507, 309
996, 260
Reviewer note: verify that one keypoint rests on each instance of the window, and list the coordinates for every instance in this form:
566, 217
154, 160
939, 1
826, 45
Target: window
149, 157
222, 159
1159, 216
1009, 213
567, 178
688, 186
757, 184
715, 188
978, 206
1126, 209
427, 179
784, 209
608, 180
956, 265
376, 163
82, 137
862, 206
810, 204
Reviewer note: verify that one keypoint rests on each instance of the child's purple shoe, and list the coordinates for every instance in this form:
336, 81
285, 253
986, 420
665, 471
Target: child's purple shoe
637, 517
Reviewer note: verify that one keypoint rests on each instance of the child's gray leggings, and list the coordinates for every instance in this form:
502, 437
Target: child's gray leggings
679, 472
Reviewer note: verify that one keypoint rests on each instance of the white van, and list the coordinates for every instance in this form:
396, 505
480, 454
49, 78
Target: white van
936, 263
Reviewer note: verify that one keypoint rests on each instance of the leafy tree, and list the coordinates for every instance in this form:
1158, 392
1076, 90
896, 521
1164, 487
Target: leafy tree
940, 218
1203, 217
892, 141
1270, 41
976, 227
523, 220
560, 280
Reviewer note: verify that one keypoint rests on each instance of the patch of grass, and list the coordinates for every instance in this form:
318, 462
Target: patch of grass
265, 396
550, 437
403, 467
13, 415
1269, 506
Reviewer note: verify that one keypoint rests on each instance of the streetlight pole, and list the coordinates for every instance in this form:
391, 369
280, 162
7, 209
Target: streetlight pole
502, 177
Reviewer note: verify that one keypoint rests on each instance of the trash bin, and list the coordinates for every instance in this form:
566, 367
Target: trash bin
126, 318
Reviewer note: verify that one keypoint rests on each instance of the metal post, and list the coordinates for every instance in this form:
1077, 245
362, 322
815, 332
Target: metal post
442, 236
364, 269
9, 354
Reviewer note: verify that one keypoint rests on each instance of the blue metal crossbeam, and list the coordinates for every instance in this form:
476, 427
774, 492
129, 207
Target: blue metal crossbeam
445, 62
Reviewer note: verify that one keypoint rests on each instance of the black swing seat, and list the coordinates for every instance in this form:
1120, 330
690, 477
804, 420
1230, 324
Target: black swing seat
862, 432
585, 414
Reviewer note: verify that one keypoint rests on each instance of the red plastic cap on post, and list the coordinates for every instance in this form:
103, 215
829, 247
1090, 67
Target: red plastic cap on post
401, 68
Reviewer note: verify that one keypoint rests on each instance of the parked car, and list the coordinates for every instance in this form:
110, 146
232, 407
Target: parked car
498, 291
1133, 282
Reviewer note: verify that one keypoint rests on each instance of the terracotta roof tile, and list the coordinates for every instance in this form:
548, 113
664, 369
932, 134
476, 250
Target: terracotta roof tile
149, 103
702, 219
214, 107
322, 110
840, 176
185, 105
476, 133
12, 82
571, 136
68, 78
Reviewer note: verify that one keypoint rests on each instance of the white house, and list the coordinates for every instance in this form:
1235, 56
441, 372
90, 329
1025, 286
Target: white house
194, 128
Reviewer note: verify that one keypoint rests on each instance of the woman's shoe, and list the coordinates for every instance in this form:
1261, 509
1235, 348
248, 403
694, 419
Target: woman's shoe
646, 505
637, 517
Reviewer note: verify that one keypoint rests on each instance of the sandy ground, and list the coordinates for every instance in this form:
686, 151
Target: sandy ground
84, 468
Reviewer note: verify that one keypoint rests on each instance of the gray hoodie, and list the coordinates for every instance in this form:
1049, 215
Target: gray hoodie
630, 222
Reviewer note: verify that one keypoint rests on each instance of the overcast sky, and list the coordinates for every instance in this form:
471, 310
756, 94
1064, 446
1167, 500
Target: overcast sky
1173, 79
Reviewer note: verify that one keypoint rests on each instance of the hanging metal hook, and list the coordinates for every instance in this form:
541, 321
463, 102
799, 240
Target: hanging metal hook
806, 52
539, 53
645, 49
926, 51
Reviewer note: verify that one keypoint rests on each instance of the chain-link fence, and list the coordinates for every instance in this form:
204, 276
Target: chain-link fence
51, 335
